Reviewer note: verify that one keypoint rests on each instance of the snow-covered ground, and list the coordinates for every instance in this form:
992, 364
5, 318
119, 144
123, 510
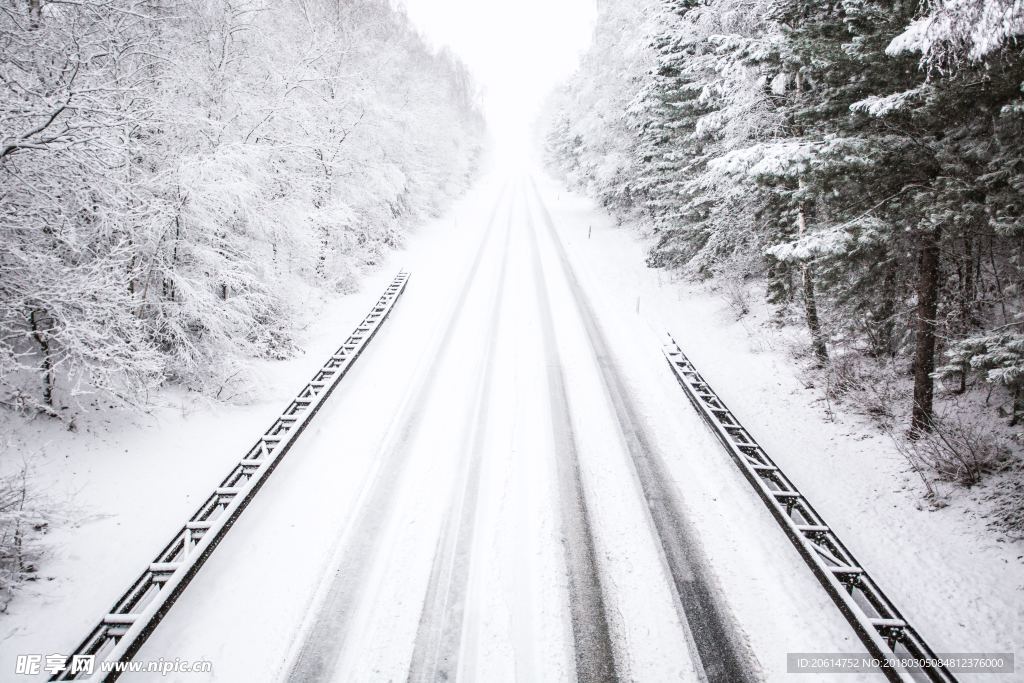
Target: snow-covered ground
959, 584
475, 499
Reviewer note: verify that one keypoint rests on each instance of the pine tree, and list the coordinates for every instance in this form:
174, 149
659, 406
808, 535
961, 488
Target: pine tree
663, 118
875, 153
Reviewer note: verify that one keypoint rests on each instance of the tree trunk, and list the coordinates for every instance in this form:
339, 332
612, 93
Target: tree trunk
811, 301
35, 319
169, 290
884, 332
319, 200
811, 312
924, 329
779, 287
35, 13
1017, 407
967, 287
321, 261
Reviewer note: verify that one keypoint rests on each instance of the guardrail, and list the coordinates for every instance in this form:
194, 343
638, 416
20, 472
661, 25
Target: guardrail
122, 631
880, 626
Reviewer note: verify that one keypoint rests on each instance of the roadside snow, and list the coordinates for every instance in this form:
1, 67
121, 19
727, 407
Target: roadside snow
961, 586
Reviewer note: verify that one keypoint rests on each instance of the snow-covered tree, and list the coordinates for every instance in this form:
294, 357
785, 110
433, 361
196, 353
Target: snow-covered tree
871, 150
594, 145
173, 183
952, 31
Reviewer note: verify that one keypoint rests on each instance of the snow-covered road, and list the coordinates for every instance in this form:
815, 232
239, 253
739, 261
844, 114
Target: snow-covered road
503, 489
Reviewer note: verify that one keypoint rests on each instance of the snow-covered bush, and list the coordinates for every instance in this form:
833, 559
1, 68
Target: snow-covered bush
22, 521
957, 450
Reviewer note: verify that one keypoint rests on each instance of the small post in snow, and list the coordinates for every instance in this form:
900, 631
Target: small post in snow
638, 305
590, 229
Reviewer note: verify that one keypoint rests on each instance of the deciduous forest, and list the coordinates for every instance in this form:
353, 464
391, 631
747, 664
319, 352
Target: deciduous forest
176, 178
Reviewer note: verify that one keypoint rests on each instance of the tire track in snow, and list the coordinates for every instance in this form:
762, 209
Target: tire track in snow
323, 638
436, 652
720, 650
595, 660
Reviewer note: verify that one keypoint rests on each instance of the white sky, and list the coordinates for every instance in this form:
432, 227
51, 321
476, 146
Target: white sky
517, 49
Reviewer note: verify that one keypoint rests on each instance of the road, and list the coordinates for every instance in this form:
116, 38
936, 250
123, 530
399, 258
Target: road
504, 488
